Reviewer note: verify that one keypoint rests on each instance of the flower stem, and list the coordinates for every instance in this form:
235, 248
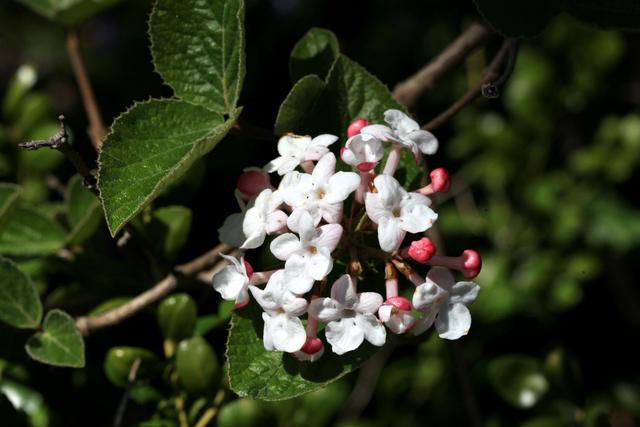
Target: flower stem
392, 161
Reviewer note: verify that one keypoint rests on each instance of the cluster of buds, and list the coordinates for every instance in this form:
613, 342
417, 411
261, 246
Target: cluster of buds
306, 212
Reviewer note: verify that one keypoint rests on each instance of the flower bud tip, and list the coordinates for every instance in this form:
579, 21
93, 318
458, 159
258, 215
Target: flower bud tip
440, 180
356, 126
422, 250
472, 263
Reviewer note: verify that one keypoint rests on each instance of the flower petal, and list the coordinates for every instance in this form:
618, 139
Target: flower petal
417, 218
324, 169
325, 309
368, 302
231, 231
424, 322
390, 191
373, 330
375, 209
328, 237
453, 322
295, 187
400, 122
229, 282
287, 333
390, 234
297, 279
344, 335
283, 246
341, 185
324, 140
319, 265
276, 221
293, 145
266, 336
429, 296
441, 277
464, 293
426, 142
344, 291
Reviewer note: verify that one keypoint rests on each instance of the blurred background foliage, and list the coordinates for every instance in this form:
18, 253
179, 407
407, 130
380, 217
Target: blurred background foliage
546, 187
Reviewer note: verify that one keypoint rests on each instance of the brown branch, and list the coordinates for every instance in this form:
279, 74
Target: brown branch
60, 142
88, 324
408, 91
488, 85
97, 130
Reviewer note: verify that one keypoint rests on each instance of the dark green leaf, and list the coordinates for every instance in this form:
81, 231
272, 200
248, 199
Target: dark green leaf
272, 375
149, 147
177, 317
169, 230
358, 93
20, 304
28, 232
68, 12
295, 111
119, 360
59, 343
197, 366
198, 49
8, 196
83, 211
313, 54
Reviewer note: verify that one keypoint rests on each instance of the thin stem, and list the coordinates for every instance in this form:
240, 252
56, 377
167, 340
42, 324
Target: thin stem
60, 142
392, 161
88, 324
131, 379
211, 412
182, 414
408, 91
97, 130
473, 93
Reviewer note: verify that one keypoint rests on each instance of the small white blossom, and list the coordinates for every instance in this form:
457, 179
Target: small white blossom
263, 218
283, 329
350, 316
321, 193
410, 135
444, 301
397, 212
295, 149
362, 151
308, 257
233, 281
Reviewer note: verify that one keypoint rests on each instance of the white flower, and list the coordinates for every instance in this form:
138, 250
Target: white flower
295, 149
397, 212
443, 300
283, 330
308, 258
396, 315
350, 316
233, 281
362, 151
231, 231
410, 135
263, 218
321, 193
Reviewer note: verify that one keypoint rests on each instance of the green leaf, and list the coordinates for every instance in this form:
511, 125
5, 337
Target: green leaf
8, 196
20, 304
27, 232
197, 366
313, 54
358, 93
83, 211
294, 112
169, 230
177, 316
272, 375
149, 147
59, 343
518, 379
118, 362
198, 49
68, 12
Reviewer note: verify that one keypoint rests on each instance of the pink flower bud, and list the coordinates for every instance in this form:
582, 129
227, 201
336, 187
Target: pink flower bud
366, 166
356, 126
472, 263
422, 250
252, 182
440, 180
312, 345
401, 303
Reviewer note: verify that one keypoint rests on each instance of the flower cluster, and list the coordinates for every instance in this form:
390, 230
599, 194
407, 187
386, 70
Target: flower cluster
306, 214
